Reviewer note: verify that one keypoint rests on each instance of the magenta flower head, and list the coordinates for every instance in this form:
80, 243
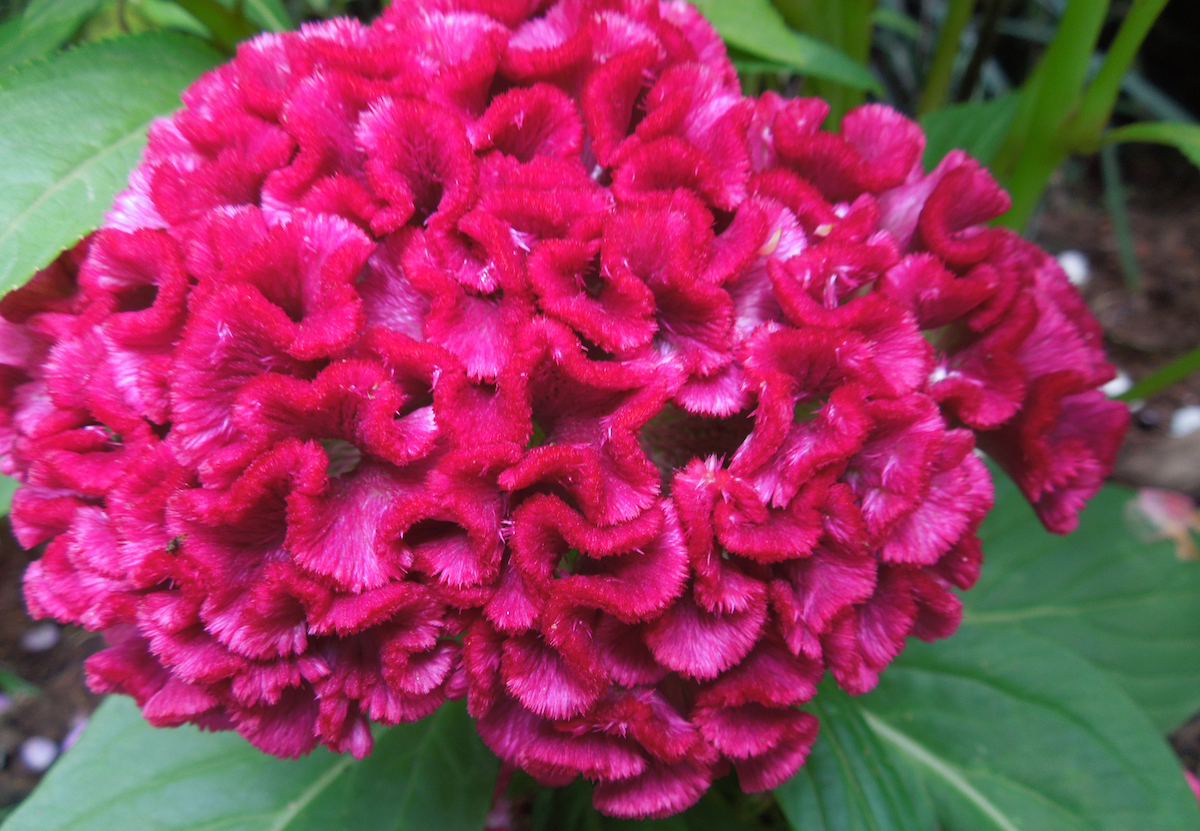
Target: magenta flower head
504, 350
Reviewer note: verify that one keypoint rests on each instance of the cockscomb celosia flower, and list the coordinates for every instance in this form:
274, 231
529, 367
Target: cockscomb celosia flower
504, 350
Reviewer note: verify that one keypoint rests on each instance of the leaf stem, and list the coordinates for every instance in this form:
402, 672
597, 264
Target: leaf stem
1157, 381
1059, 82
1097, 106
941, 71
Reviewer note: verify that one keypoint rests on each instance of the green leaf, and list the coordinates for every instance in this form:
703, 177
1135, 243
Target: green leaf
124, 774
850, 781
978, 128
269, 15
570, 809
897, 21
8, 486
43, 27
1183, 137
755, 26
1015, 733
1128, 607
72, 128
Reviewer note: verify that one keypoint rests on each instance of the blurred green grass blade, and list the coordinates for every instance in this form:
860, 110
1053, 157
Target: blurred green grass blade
1183, 137
73, 127
7, 486
269, 15
15, 685
978, 128
1118, 212
896, 21
1177, 370
755, 26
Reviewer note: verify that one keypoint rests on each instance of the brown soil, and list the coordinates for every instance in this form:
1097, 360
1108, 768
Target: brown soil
61, 699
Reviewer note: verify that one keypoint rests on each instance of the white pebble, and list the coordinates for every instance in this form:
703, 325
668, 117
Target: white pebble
1185, 421
40, 637
1076, 265
38, 753
1119, 385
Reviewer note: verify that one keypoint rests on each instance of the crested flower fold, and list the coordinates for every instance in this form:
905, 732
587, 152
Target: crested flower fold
502, 349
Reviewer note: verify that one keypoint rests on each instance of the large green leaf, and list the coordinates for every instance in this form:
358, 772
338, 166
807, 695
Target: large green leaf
73, 126
125, 775
850, 781
1184, 137
1130, 608
978, 128
1013, 732
755, 26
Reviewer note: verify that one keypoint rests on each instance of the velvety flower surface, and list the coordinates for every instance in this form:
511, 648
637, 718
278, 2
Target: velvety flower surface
503, 349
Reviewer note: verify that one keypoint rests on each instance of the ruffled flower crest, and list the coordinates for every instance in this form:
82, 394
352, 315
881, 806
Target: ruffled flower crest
502, 349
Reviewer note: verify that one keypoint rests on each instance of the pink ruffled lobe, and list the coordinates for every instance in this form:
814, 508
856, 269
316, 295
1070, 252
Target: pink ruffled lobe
526, 123
811, 410
951, 221
219, 163
67, 585
589, 414
877, 150
935, 295
326, 174
864, 640
554, 47
705, 41
891, 472
610, 307
692, 102
419, 163
1061, 446
811, 593
958, 496
614, 102
457, 50
662, 790
630, 571
451, 529
774, 767
700, 644
306, 269
139, 281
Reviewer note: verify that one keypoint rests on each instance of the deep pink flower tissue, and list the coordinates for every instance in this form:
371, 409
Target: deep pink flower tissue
504, 350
